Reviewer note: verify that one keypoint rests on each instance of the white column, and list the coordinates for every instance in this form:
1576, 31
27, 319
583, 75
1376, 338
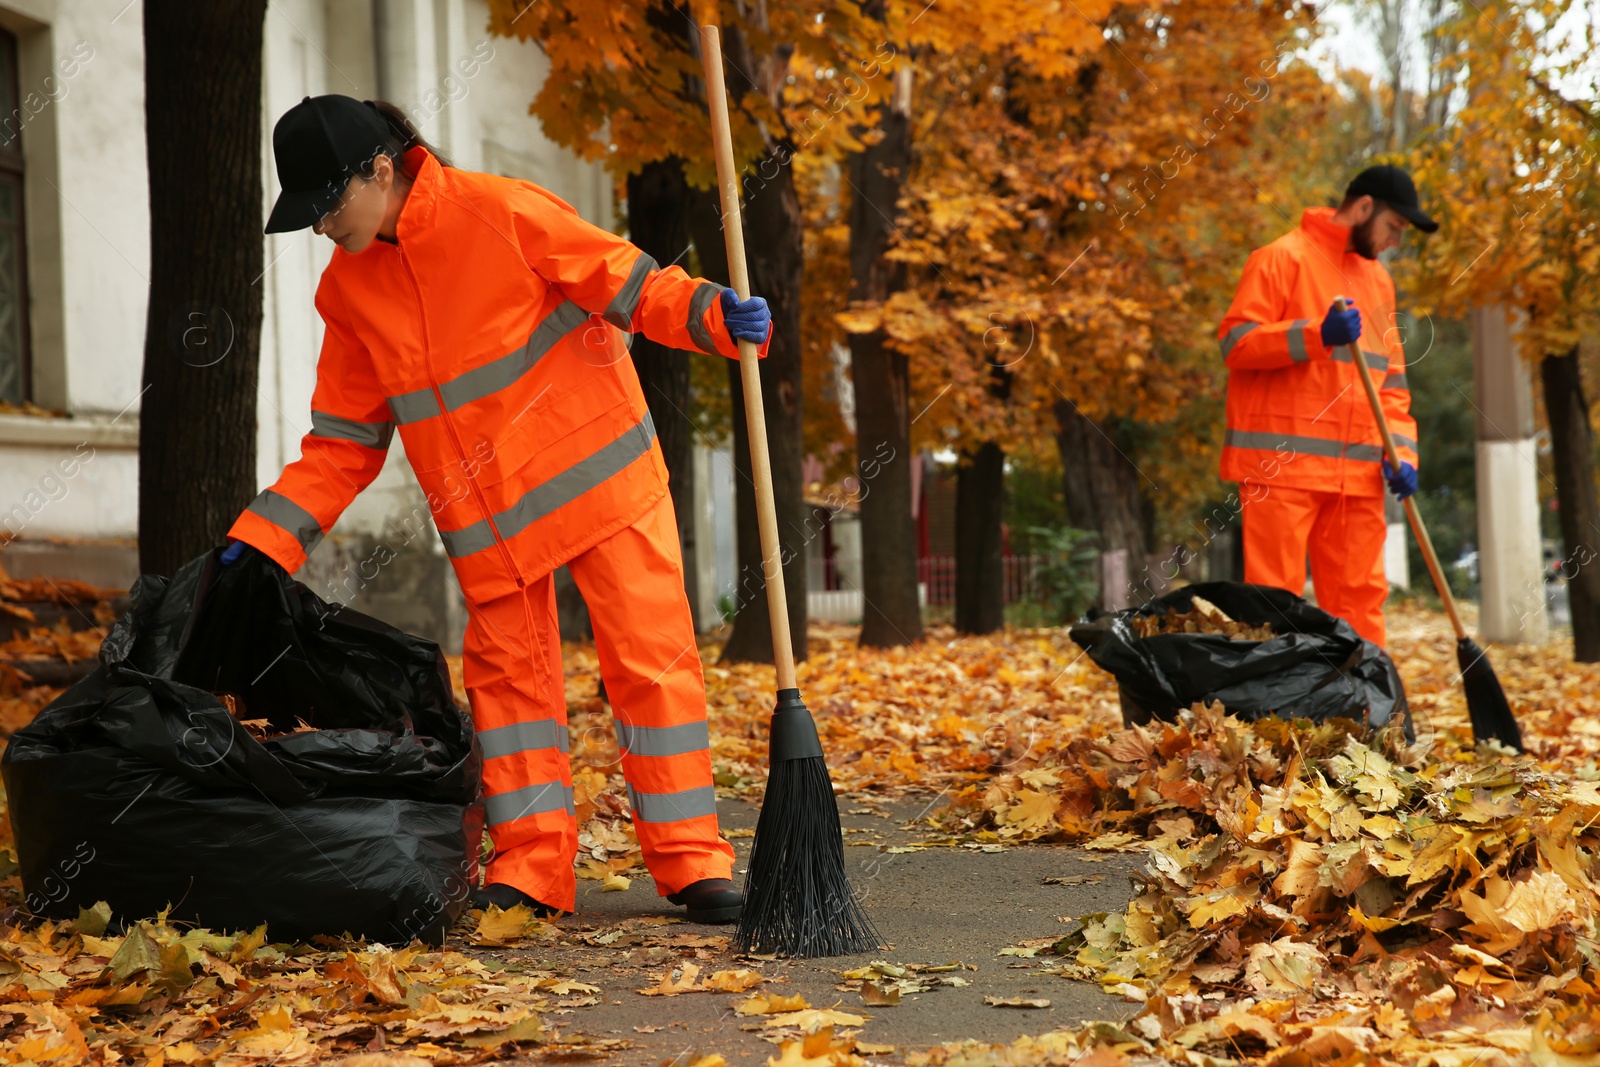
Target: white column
1396, 565
700, 566
1510, 556
408, 59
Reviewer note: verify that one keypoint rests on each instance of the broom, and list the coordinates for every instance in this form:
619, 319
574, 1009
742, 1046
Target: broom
1486, 701
798, 901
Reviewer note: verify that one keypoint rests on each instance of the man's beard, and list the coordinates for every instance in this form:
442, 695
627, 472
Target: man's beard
1361, 238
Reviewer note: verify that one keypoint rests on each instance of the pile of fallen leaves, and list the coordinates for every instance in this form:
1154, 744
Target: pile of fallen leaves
1203, 617
17, 593
76, 992
260, 729
1313, 895
1316, 893
21, 695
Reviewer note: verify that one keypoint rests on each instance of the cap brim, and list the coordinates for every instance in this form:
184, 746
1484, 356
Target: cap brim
296, 209
1416, 217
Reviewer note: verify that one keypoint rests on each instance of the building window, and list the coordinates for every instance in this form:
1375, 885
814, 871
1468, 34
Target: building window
15, 376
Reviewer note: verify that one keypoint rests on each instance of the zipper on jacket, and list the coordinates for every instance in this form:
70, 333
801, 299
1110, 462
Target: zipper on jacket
455, 439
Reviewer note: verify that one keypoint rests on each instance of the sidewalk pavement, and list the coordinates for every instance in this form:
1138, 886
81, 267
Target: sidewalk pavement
935, 906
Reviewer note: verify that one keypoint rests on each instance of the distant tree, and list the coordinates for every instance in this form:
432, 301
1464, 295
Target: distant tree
1513, 172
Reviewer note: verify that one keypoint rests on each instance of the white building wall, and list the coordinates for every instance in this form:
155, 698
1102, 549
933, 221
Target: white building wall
81, 87
88, 232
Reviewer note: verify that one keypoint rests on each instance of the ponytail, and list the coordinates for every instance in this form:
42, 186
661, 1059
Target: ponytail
403, 136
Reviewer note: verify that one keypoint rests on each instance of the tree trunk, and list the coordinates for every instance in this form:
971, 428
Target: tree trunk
658, 222
1101, 487
197, 425
1572, 438
980, 511
772, 241
890, 612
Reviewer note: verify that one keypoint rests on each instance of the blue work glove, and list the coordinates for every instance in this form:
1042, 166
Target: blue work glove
1341, 327
747, 320
1402, 482
235, 552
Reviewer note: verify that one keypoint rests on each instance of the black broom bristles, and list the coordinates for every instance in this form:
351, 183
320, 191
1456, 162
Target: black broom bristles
1486, 701
798, 901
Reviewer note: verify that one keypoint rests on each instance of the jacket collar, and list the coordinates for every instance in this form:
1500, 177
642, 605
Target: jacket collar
423, 199
1318, 227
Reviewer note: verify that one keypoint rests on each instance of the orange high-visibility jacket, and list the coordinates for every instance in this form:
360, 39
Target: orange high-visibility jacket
491, 335
1297, 413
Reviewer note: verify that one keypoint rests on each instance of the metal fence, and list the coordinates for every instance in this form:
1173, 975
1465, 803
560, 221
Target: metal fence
1019, 577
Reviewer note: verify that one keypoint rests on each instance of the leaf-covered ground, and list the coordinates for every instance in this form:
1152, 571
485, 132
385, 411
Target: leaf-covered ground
1310, 897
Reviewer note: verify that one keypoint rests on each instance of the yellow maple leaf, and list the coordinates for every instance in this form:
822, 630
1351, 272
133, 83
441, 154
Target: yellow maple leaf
1284, 966
1538, 903
733, 981
770, 1004
1034, 810
687, 983
813, 1019
793, 1054
1376, 923
1216, 907
498, 926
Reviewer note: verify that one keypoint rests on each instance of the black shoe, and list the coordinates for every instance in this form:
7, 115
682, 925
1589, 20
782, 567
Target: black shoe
710, 900
505, 896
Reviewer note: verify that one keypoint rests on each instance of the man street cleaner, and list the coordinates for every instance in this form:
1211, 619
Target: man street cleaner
1301, 438
483, 318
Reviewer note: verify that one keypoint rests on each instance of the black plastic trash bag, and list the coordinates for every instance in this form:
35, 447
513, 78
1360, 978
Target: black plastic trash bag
1317, 667
137, 787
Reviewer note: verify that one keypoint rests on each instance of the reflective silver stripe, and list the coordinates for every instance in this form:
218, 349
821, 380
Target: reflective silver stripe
372, 434
663, 740
1297, 340
619, 312
670, 807
414, 406
698, 303
495, 375
560, 490
1231, 338
1396, 380
289, 516
522, 737
1402, 441
1305, 446
529, 800
1341, 354
492, 377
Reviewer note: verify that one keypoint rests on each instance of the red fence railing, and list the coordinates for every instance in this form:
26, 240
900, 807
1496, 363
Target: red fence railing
1019, 578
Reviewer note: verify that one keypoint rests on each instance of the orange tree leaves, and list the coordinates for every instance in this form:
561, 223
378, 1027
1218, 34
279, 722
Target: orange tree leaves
1513, 173
1080, 201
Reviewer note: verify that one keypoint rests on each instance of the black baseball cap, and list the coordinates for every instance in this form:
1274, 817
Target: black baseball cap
1394, 187
319, 145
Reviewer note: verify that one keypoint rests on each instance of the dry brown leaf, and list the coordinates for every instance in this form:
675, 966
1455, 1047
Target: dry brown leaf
667, 986
1016, 1002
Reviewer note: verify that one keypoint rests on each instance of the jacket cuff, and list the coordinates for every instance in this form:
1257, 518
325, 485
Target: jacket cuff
270, 539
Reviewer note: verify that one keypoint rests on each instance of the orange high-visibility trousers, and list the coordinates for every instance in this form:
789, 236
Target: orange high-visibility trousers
633, 585
1344, 533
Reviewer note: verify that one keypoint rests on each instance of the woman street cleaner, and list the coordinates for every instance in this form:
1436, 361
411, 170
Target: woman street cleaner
483, 318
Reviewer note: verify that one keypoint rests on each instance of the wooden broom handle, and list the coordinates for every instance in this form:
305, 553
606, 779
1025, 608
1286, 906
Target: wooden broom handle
1424, 542
749, 361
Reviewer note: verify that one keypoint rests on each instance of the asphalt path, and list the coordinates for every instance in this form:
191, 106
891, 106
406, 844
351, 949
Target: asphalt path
938, 905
